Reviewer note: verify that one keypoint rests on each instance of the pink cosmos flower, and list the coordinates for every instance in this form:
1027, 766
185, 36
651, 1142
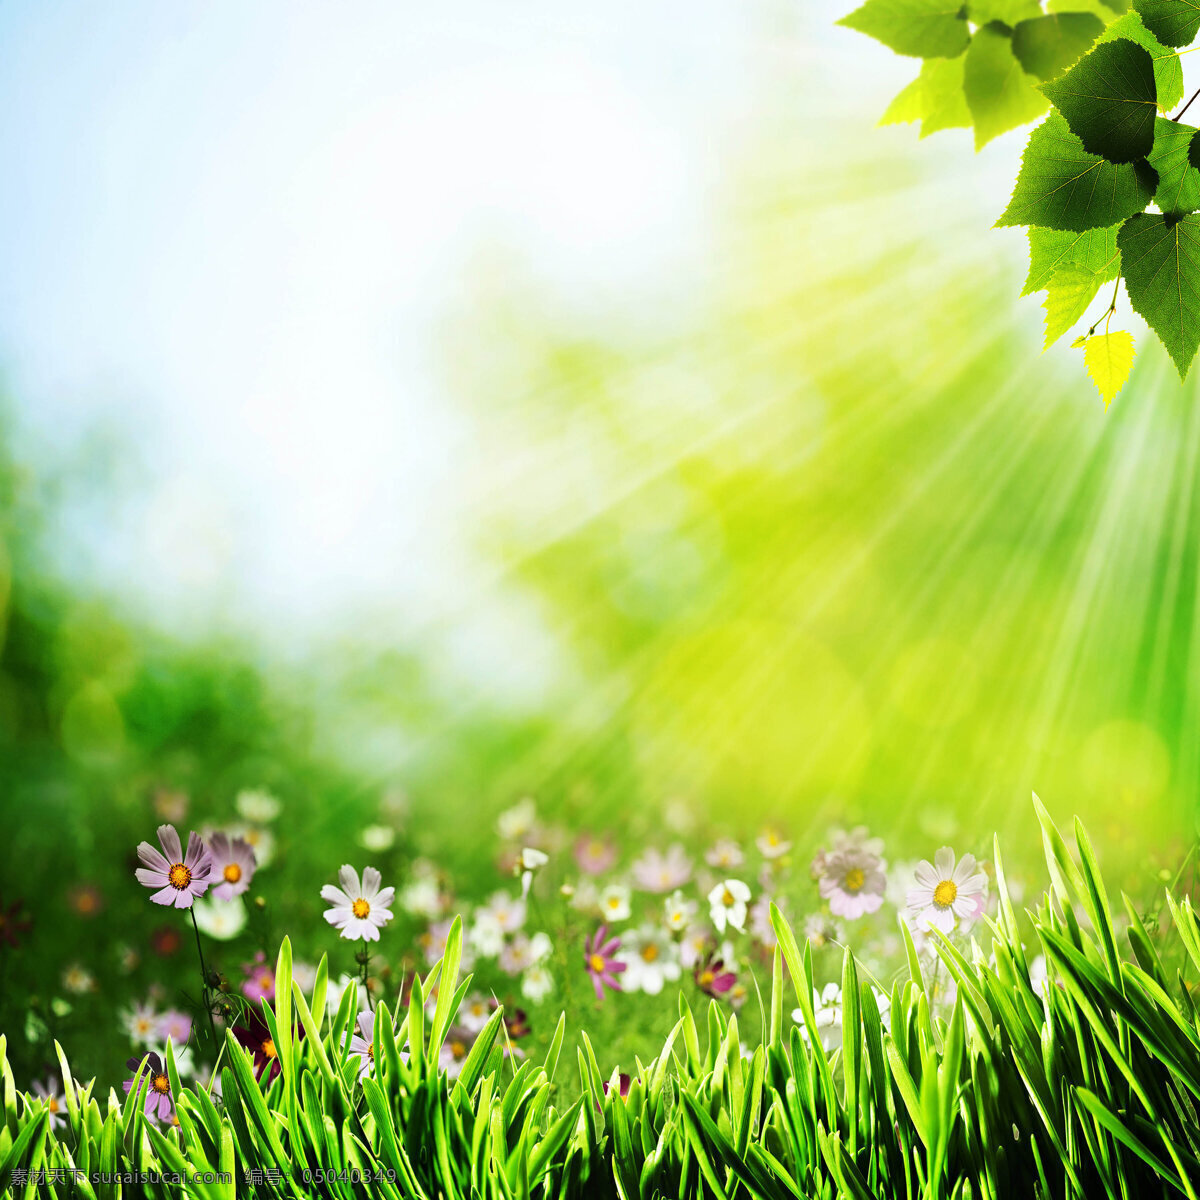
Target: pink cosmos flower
853, 882
156, 1084
175, 1025
179, 877
259, 984
658, 872
234, 862
600, 961
362, 1043
594, 854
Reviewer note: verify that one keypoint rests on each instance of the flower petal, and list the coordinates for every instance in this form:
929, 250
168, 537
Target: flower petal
371, 879
348, 878
196, 849
943, 861
335, 895
169, 840
166, 896
152, 857
151, 879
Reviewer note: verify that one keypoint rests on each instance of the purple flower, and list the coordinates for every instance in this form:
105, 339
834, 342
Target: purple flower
712, 978
362, 1042
175, 1025
179, 877
853, 882
159, 1104
602, 966
358, 910
255, 1035
657, 872
259, 984
233, 865
623, 1084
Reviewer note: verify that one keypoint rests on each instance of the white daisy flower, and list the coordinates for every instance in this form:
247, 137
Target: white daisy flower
508, 911
514, 823
475, 1012
221, 919
358, 910
258, 805
614, 903
421, 897
530, 862
947, 892
537, 983
78, 979
141, 1023
262, 841
678, 911
651, 959
485, 936
728, 903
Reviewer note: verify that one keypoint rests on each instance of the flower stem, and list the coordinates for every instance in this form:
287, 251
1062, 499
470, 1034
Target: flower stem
212, 1029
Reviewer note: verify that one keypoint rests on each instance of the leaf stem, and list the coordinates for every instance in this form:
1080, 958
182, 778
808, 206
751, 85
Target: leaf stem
1186, 106
1106, 316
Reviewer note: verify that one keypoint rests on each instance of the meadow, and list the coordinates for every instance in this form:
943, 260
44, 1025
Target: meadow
712, 866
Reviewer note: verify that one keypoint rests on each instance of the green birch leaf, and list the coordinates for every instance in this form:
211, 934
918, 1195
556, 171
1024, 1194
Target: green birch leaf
1178, 179
1160, 258
1050, 249
1068, 295
918, 28
984, 12
1098, 8
1047, 46
1062, 186
1173, 22
1109, 99
1194, 151
1108, 358
1168, 70
999, 93
935, 98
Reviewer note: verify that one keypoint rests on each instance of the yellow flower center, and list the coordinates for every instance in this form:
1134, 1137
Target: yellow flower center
706, 978
160, 1083
268, 1048
266, 981
854, 879
360, 908
371, 1052
727, 899
179, 876
597, 964
945, 893
458, 1049
52, 1104
232, 872
649, 952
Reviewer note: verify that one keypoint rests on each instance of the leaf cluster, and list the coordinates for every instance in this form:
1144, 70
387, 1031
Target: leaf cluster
1080, 1085
1108, 188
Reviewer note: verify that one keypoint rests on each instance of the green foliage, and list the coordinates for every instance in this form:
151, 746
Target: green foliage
1070, 290
1108, 358
917, 28
1050, 249
1000, 95
1047, 45
1080, 1084
935, 98
1062, 186
1173, 22
1100, 158
1109, 99
1178, 179
1161, 260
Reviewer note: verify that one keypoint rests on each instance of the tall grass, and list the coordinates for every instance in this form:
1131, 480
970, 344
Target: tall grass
1084, 1087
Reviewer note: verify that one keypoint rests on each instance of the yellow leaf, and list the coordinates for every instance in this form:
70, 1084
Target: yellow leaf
1109, 359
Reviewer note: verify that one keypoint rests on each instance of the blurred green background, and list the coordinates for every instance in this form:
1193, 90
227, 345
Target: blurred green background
801, 529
